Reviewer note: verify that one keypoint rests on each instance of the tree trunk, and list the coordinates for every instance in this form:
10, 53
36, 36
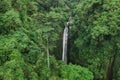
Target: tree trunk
111, 66
48, 55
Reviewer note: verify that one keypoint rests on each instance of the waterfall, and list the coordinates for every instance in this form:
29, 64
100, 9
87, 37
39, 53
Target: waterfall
65, 38
65, 41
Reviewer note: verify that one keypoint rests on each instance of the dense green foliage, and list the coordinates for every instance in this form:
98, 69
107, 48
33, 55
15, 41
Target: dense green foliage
97, 40
32, 29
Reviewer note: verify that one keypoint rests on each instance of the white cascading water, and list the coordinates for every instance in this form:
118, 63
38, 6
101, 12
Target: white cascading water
65, 40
